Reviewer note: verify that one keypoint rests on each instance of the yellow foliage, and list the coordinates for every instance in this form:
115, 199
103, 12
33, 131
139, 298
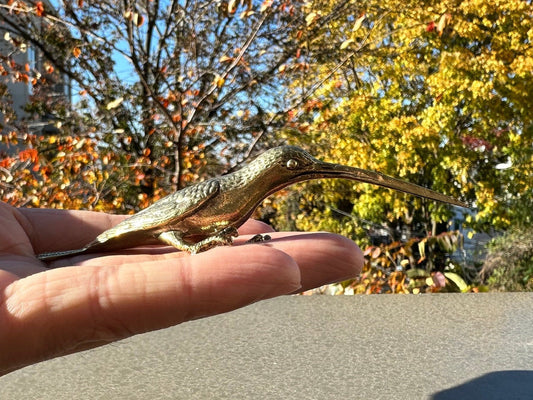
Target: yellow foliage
439, 95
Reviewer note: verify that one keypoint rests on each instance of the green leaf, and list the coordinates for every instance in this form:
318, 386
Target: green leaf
417, 273
457, 281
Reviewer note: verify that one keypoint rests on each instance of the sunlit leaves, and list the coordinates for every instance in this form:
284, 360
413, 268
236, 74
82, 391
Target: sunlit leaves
39, 8
135, 17
219, 81
346, 43
435, 98
311, 17
114, 103
154, 84
266, 5
358, 22
443, 22
402, 268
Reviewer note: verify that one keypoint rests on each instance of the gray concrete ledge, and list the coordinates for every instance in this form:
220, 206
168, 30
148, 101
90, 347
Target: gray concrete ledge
444, 346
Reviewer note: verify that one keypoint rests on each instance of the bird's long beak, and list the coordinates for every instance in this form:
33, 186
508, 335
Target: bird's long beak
324, 169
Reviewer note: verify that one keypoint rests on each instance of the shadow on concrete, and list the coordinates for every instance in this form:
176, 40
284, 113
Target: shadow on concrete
512, 385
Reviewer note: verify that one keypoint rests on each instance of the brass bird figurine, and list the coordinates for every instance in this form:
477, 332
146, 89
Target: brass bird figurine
207, 214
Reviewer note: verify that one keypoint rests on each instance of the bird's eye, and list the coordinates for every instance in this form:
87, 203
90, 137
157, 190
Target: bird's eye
291, 164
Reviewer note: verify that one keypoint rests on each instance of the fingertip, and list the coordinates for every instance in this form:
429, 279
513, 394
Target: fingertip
343, 258
354, 259
322, 257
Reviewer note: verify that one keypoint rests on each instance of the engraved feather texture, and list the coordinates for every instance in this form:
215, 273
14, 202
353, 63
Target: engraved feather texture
254, 168
174, 206
208, 213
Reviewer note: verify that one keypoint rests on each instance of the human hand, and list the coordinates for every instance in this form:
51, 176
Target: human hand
97, 299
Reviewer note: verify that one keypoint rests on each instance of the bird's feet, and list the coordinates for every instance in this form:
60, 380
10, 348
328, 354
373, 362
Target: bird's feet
222, 238
259, 238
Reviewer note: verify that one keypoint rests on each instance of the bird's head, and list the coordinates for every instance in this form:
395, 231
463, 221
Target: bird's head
282, 166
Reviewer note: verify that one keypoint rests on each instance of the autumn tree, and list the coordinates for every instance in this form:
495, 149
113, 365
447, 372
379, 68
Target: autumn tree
436, 93
166, 92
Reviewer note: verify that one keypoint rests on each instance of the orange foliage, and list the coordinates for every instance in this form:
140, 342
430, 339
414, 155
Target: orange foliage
39, 9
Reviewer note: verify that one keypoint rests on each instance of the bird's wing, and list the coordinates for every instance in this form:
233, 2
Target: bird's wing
171, 208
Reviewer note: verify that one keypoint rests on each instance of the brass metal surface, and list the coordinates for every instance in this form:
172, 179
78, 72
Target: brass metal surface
208, 213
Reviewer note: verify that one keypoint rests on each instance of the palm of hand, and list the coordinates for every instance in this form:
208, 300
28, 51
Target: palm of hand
95, 300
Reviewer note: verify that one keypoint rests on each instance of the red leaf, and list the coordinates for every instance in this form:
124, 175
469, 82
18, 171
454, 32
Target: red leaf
39, 8
6, 162
443, 22
28, 154
439, 280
